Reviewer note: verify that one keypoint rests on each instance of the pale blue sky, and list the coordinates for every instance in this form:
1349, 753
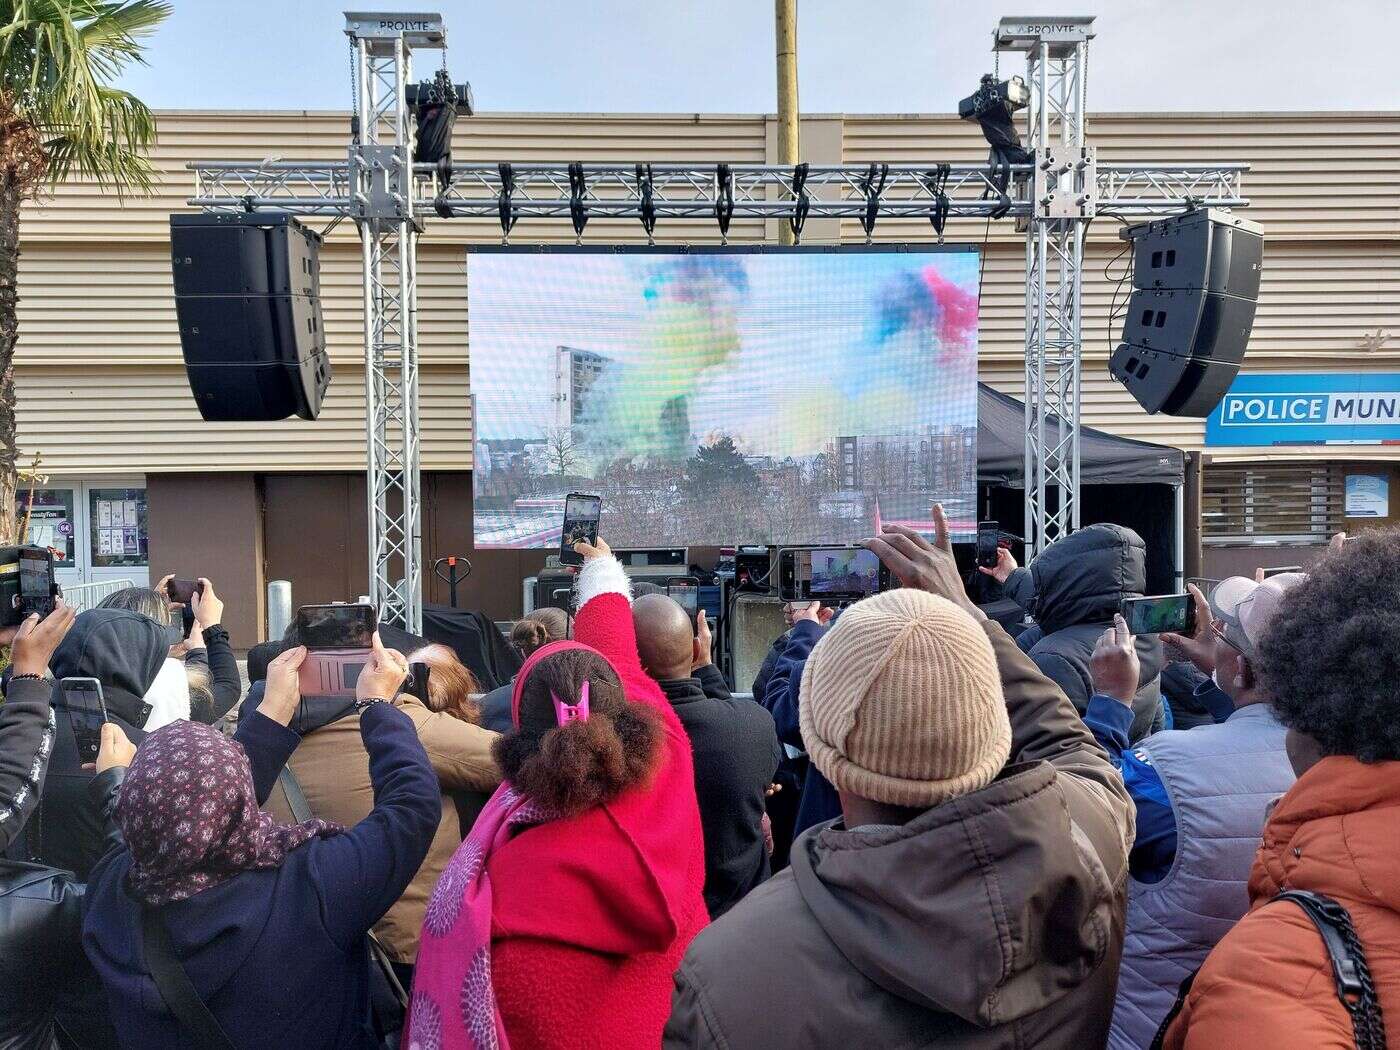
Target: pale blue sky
717, 55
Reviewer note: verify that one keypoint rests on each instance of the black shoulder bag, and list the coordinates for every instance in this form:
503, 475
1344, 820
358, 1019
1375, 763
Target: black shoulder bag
1355, 989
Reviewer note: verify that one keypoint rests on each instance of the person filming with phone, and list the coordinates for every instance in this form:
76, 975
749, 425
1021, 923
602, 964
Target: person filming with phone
1201, 796
1073, 588
970, 894
214, 925
47, 988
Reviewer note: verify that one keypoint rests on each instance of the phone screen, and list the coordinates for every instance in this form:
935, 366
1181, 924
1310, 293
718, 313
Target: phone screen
843, 572
581, 515
86, 712
687, 594
988, 539
182, 592
336, 626
34, 577
1170, 612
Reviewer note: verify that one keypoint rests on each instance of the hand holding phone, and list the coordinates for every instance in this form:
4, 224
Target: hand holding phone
339, 640
115, 748
582, 512
988, 542
1167, 613
34, 641
1114, 665
182, 592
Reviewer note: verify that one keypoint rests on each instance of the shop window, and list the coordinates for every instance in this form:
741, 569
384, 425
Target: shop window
118, 530
51, 521
1286, 503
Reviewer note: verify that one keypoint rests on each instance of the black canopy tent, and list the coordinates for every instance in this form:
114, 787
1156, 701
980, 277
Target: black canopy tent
1128, 482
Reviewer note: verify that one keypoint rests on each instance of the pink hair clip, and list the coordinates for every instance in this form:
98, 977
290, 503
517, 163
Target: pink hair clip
566, 713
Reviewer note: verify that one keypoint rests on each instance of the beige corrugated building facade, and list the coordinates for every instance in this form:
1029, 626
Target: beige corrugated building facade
143, 486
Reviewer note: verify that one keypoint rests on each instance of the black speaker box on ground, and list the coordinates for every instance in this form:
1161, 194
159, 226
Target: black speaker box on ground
1196, 286
248, 299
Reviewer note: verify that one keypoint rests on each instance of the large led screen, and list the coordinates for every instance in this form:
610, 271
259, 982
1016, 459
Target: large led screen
795, 396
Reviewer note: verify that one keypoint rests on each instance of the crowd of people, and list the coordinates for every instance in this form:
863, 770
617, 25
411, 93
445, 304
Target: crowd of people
924, 829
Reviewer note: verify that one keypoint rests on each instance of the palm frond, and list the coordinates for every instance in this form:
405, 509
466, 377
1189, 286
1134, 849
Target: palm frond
58, 59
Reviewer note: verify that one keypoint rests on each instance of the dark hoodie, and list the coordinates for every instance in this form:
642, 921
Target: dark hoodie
124, 651
992, 920
1073, 589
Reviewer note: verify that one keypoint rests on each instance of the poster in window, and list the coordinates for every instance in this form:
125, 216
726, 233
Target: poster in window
104, 514
128, 514
104, 541
1368, 496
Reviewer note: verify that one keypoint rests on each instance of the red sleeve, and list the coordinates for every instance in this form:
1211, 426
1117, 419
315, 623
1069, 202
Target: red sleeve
605, 623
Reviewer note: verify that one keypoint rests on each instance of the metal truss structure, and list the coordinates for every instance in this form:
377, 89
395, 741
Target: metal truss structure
388, 196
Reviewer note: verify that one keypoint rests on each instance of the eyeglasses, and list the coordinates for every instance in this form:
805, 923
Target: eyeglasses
1217, 627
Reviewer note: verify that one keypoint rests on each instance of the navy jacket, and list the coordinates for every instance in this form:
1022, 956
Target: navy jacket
279, 956
820, 802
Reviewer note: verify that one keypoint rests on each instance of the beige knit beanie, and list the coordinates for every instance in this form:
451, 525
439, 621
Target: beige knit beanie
901, 702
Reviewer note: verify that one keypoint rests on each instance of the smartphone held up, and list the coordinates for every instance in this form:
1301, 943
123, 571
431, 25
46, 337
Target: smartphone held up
1166, 613
582, 513
87, 710
339, 640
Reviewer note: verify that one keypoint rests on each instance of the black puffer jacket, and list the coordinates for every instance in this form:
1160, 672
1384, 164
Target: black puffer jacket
1073, 589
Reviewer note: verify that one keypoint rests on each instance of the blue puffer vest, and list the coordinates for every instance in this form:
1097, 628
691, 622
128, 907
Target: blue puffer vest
1220, 780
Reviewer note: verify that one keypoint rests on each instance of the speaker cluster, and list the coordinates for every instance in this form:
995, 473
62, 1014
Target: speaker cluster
1195, 288
248, 300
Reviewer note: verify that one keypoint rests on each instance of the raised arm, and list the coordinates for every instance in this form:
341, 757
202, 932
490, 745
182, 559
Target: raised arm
26, 741
603, 597
26, 719
359, 874
225, 684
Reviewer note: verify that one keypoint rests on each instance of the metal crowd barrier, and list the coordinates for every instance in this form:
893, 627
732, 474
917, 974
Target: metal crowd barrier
84, 596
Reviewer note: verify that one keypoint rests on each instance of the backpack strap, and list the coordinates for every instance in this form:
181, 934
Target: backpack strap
1355, 989
175, 987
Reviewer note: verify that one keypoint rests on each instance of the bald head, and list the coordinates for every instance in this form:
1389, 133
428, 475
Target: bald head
665, 641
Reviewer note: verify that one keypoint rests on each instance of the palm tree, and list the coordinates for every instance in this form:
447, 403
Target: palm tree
59, 116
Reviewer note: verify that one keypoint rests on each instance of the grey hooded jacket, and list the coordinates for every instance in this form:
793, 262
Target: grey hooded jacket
992, 920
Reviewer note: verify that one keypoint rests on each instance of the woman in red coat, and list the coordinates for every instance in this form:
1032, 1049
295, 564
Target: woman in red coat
563, 915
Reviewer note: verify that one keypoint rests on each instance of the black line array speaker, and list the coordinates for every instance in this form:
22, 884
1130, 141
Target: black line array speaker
248, 299
1195, 288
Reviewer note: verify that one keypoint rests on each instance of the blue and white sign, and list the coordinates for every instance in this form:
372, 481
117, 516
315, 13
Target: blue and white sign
1308, 408
1367, 496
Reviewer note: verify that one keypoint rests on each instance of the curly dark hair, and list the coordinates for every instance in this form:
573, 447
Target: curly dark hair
1330, 658
568, 769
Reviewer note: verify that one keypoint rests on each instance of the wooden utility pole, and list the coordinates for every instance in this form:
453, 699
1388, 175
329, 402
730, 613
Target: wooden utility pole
789, 147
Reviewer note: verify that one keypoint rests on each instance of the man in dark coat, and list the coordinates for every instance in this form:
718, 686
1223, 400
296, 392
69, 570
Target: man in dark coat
972, 893
734, 742
1073, 589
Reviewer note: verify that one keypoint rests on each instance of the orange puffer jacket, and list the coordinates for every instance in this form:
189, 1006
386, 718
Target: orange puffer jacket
1268, 983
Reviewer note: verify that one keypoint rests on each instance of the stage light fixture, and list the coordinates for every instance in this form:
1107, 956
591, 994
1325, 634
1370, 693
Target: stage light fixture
435, 105
992, 106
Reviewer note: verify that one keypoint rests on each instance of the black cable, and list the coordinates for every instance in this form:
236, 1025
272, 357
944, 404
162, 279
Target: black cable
982, 262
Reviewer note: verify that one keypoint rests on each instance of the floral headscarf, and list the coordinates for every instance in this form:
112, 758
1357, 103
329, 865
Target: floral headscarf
190, 816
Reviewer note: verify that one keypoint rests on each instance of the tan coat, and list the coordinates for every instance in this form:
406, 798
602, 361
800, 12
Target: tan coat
332, 767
